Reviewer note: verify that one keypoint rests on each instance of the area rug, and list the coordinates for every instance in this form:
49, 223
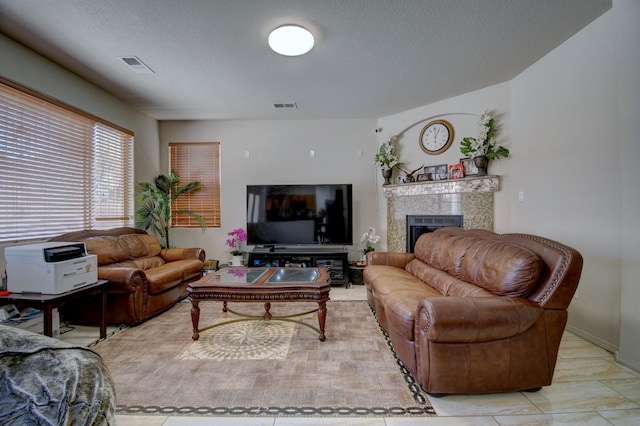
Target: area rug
261, 368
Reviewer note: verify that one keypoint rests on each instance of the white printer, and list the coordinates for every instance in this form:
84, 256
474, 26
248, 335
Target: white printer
50, 268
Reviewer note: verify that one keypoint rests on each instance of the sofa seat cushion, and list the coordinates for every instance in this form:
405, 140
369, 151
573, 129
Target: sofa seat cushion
171, 274
383, 279
163, 278
190, 268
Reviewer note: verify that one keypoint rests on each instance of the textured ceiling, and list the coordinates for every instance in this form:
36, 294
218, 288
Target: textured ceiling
372, 57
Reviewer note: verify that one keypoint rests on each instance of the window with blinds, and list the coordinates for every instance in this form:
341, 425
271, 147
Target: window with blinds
196, 161
62, 169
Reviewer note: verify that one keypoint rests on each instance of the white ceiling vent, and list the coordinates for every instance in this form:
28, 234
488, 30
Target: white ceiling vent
136, 65
286, 105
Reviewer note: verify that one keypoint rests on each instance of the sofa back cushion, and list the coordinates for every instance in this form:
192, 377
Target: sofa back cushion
114, 249
501, 268
108, 249
142, 245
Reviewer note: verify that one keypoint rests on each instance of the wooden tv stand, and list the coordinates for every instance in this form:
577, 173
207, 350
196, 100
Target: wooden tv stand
335, 260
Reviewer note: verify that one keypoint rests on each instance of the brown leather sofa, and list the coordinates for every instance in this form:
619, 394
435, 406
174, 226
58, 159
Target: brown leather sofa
144, 279
472, 311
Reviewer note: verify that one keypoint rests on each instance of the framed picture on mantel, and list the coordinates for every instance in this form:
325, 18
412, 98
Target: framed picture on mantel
439, 172
469, 166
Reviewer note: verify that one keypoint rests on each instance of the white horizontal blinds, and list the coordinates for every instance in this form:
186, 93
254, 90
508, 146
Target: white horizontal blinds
196, 162
47, 165
113, 181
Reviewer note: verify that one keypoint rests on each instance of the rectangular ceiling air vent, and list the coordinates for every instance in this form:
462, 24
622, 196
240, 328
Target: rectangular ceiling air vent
136, 64
286, 105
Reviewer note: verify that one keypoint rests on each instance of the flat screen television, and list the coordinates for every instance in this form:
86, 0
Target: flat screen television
300, 214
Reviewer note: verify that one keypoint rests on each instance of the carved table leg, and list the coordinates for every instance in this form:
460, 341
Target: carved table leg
322, 316
267, 314
195, 318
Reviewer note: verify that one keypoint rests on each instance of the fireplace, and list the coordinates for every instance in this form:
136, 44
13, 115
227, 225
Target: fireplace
469, 198
421, 224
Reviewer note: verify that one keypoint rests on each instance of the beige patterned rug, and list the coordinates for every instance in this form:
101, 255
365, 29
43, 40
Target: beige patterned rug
249, 341
261, 368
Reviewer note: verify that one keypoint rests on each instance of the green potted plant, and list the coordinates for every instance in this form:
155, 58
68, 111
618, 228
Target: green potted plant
484, 147
155, 208
387, 159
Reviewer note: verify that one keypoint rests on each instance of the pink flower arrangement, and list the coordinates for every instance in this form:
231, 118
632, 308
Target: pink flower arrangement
240, 273
238, 236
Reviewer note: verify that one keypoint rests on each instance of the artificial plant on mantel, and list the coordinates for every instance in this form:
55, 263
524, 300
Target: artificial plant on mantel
155, 208
484, 147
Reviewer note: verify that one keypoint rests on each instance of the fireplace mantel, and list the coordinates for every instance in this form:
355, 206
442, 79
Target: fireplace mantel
471, 197
452, 186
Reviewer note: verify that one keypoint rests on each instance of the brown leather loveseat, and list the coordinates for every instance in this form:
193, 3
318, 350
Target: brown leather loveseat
144, 279
472, 311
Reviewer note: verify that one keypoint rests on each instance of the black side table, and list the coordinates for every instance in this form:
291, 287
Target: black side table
355, 274
48, 302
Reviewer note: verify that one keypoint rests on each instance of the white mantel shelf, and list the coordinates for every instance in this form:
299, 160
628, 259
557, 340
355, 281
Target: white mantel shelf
450, 186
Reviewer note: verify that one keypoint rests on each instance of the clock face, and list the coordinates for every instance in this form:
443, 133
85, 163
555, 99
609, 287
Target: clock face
436, 137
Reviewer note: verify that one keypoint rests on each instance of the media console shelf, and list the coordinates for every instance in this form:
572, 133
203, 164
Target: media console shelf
335, 260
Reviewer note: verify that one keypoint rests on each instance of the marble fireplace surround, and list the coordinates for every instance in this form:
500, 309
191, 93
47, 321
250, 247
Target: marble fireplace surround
470, 197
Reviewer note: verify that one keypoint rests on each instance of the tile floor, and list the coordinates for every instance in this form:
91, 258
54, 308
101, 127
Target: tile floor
589, 388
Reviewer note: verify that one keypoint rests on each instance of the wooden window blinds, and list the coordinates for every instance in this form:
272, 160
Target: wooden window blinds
196, 161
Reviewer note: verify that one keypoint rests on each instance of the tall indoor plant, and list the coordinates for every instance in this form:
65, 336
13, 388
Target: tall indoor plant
155, 208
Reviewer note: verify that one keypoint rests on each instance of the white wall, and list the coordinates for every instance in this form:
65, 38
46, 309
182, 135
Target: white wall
279, 153
565, 122
627, 58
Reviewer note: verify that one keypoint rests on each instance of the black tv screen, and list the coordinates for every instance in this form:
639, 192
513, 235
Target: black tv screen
299, 214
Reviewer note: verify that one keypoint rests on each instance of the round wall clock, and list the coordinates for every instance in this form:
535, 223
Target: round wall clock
436, 137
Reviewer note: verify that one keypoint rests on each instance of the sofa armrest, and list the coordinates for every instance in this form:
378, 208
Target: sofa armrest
475, 319
122, 280
173, 254
399, 260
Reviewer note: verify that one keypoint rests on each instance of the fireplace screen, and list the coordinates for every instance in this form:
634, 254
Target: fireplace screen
418, 225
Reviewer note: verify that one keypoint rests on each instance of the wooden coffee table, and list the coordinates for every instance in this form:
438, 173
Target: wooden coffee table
262, 285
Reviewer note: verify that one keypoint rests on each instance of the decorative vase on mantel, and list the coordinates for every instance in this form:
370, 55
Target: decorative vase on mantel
386, 174
481, 162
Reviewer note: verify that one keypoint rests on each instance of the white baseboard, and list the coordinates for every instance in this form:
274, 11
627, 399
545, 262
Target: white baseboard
633, 364
593, 339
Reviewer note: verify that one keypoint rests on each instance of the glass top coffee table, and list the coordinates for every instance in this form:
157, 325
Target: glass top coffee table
262, 285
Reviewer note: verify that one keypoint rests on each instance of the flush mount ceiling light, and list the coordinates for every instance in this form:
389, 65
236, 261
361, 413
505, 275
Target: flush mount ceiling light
291, 40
